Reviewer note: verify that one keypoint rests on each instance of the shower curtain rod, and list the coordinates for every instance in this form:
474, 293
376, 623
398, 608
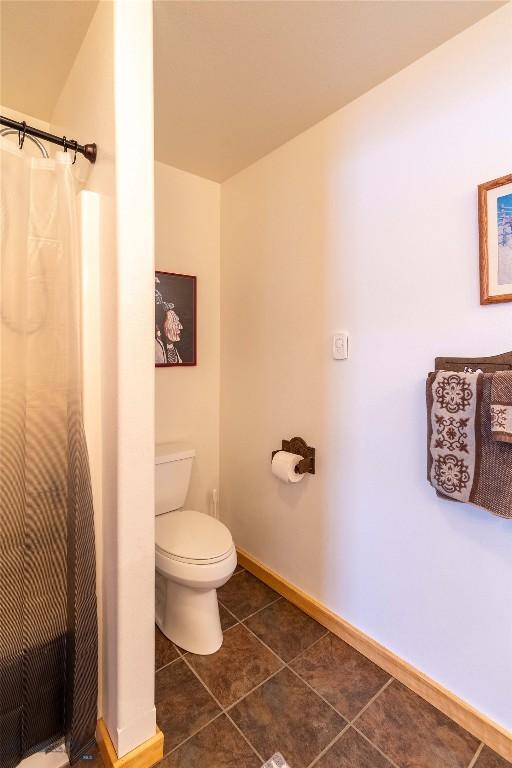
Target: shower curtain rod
87, 150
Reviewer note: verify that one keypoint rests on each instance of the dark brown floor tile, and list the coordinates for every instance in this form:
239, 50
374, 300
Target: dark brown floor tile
284, 715
238, 569
226, 618
183, 705
352, 751
340, 674
165, 651
239, 665
244, 594
489, 759
415, 734
286, 629
219, 745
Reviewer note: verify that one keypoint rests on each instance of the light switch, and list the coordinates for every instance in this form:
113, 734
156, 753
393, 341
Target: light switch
340, 345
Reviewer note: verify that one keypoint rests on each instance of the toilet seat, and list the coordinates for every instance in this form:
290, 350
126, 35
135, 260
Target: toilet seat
193, 538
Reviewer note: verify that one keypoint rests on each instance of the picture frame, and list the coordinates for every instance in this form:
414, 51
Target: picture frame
495, 229
175, 319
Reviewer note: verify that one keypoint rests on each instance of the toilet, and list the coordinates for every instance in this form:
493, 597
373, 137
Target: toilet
195, 555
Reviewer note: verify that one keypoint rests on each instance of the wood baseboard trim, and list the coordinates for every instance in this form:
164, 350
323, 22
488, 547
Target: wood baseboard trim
145, 755
492, 734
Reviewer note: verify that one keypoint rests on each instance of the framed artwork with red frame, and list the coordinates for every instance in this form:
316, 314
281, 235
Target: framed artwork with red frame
175, 319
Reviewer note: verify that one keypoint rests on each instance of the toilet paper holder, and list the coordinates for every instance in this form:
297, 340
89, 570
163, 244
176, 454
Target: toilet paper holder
299, 446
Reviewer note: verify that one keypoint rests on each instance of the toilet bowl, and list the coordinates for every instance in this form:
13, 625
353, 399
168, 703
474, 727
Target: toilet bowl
194, 556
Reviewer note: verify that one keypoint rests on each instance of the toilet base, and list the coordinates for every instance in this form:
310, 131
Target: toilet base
188, 616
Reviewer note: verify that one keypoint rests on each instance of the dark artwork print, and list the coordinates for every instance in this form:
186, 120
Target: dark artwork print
175, 319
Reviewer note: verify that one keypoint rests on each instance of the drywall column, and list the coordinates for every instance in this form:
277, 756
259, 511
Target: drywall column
131, 716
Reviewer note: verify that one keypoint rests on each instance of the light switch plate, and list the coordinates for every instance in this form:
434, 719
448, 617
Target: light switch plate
340, 345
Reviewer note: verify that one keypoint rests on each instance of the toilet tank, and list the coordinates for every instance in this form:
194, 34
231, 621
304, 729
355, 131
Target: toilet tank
173, 466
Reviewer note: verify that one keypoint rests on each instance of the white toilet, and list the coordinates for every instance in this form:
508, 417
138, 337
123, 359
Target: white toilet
195, 555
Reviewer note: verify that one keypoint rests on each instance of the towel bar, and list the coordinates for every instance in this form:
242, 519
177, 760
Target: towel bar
501, 362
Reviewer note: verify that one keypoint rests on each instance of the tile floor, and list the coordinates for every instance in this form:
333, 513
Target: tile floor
282, 683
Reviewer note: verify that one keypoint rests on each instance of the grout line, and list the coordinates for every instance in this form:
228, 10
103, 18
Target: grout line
305, 650
242, 734
227, 609
327, 748
174, 749
273, 674
368, 704
378, 749
476, 756
350, 723
231, 626
251, 614
196, 674
319, 695
228, 629
159, 669
287, 666
223, 710
381, 690
277, 599
234, 703
283, 662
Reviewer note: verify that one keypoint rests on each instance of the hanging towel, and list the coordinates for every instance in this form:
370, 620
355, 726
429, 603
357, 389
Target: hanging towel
465, 462
501, 406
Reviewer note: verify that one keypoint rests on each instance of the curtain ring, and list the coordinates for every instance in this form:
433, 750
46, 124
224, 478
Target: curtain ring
21, 136
76, 150
64, 144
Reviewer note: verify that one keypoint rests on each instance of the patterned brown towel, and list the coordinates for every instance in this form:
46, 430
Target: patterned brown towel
465, 463
501, 406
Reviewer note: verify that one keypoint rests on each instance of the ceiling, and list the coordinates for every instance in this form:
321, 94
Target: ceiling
39, 43
234, 80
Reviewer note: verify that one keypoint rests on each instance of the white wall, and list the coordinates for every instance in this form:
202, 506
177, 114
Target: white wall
187, 225
118, 49
368, 222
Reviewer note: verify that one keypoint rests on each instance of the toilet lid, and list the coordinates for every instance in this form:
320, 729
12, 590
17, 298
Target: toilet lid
192, 537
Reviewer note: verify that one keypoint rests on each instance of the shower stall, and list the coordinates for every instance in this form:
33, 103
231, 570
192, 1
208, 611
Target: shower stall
49, 635
76, 318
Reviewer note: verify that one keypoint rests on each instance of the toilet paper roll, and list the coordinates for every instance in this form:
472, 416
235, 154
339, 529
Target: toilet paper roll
283, 467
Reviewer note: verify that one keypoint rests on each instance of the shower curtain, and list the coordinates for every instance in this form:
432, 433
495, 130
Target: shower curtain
48, 620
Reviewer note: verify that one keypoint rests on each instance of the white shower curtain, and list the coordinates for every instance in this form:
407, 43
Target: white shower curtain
48, 623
